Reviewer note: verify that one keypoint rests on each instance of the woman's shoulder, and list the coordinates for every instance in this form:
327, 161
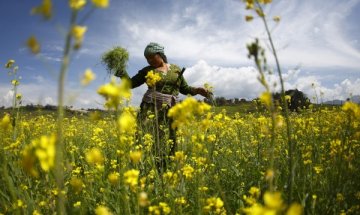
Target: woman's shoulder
174, 67
146, 69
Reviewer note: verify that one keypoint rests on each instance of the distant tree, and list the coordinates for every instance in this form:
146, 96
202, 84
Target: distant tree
243, 100
220, 101
298, 100
229, 101
49, 107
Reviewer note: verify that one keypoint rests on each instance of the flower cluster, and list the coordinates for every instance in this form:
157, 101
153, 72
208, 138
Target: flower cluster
182, 113
162, 208
152, 78
215, 205
44, 150
88, 77
131, 178
115, 93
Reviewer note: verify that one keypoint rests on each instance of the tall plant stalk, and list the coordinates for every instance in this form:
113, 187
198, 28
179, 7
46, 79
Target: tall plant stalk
59, 172
285, 107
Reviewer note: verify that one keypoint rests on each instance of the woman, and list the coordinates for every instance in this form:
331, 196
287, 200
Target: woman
160, 98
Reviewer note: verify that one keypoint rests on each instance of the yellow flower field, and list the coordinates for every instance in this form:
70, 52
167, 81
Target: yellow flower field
269, 161
222, 165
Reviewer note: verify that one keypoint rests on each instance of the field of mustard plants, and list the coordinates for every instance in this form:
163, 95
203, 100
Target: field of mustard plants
222, 165
265, 162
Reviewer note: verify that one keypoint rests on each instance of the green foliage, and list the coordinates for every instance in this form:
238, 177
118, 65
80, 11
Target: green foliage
115, 60
297, 101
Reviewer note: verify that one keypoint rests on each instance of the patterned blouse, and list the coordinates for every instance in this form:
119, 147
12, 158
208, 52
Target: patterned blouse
172, 82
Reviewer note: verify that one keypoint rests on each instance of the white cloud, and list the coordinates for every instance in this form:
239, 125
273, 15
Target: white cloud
242, 82
310, 33
39, 79
229, 82
48, 101
7, 99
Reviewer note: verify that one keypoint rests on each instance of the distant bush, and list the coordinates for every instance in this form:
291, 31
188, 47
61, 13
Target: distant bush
298, 100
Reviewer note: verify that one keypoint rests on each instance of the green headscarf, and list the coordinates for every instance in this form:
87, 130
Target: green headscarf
154, 48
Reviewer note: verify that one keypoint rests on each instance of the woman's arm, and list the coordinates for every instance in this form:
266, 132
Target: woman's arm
136, 80
186, 89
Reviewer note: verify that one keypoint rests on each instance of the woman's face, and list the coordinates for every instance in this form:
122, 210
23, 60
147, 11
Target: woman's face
154, 60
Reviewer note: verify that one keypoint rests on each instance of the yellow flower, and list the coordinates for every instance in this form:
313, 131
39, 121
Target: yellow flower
15, 82
127, 122
5, 122
256, 209
273, 200
255, 192
77, 184
108, 90
33, 45
183, 113
339, 197
36, 212
45, 9
276, 18
269, 175
209, 87
180, 201
154, 210
352, 108
143, 199
203, 189
135, 156
20, 203
94, 156
288, 98
249, 18
78, 33
188, 171
260, 12
152, 78
249, 4
88, 77
45, 151
77, 204
295, 209
131, 177
265, 1
9, 63
318, 169
114, 93
101, 3
18, 96
214, 204
77, 4
165, 208
179, 156
114, 178
266, 98
102, 210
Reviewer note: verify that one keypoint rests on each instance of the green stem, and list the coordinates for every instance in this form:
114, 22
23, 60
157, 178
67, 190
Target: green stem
14, 112
273, 121
59, 171
286, 112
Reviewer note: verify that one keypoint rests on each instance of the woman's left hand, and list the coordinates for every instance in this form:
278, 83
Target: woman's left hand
202, 91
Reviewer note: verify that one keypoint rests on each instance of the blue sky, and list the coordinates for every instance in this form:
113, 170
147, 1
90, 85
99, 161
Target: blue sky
317, 42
